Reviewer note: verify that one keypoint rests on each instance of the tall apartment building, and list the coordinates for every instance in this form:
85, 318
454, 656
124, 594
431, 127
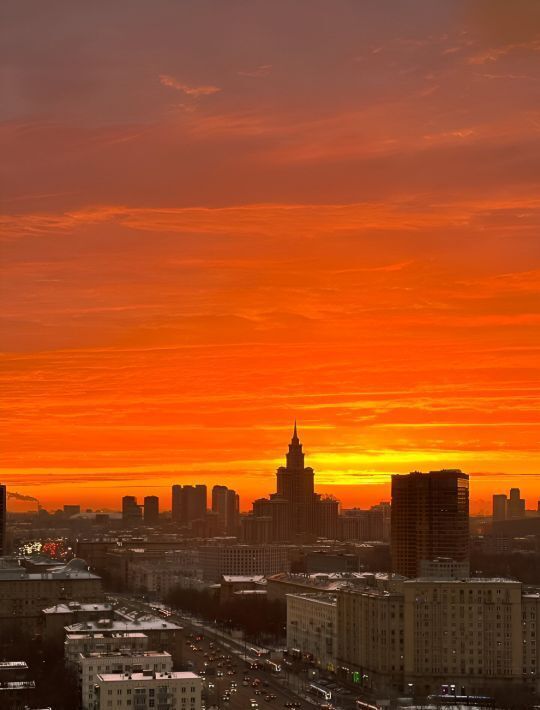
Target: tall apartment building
466, 632
430, 519
226, 505
131, 511
418, 635
385, 509
127, 691
151, 510
357, 524
508, 508
188, 503
3, 517
516, 505
371, 635
499, 507
312, 628
256, 529
278, 511
91, 665
327, 517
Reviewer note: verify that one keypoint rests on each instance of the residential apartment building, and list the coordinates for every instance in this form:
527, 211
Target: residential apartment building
430, 518
312, 628
162, 635
371, 633
148, 690
418, 635
93, 664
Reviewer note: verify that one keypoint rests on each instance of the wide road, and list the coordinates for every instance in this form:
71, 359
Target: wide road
216, 687
223, 646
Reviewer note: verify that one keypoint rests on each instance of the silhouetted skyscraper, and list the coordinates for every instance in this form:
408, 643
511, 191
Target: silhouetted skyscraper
516, 505
3, 516
297, 512
430, 519
188, 503
499, 510
295, 483
131, 511
151, 510
225, 503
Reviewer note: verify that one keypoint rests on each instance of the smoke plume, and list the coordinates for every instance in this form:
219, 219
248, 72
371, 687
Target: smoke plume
21, 496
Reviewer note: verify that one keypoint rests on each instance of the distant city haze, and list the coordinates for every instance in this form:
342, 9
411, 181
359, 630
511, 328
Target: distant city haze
220, 217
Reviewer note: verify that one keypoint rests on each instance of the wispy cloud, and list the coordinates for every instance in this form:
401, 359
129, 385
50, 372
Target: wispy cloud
495, 53
196, 91
260, 71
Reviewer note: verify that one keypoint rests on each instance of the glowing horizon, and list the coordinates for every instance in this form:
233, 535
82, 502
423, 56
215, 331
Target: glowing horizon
217, 219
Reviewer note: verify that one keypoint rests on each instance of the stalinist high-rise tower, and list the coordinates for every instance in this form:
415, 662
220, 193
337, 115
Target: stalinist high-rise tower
294, 481
295, 509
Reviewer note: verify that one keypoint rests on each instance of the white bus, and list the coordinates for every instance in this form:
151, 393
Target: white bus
272, 666
258, 652
320, 692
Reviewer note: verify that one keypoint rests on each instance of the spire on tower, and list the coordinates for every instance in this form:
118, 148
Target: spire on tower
295, 457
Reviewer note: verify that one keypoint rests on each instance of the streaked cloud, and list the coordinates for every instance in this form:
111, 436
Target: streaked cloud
260, 71
195, 91
210, 228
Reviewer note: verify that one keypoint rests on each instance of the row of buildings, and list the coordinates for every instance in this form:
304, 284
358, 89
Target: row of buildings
388, 633
189, 510
295, 513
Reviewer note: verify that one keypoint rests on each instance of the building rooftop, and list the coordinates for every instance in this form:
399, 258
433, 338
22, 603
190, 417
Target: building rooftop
17, 685
145, 622
469, 580
13, 665
148, 676
318, 597
72, 607
125, 653
239, 578
332, 581
74, 569
105, 635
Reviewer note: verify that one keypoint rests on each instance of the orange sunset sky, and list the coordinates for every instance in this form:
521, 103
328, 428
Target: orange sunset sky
220, 216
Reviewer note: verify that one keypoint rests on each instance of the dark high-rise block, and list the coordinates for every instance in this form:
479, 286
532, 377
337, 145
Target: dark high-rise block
151, 510
225, 503
3, 516
516, 505
131, 511
499, 510
327, 518
188, 503
430, 519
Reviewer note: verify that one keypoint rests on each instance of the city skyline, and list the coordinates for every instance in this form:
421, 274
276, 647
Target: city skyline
270, 360
353, 496
201, 243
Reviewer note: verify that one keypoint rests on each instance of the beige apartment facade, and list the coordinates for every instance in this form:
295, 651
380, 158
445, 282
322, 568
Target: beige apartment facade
311, 628
417, 636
